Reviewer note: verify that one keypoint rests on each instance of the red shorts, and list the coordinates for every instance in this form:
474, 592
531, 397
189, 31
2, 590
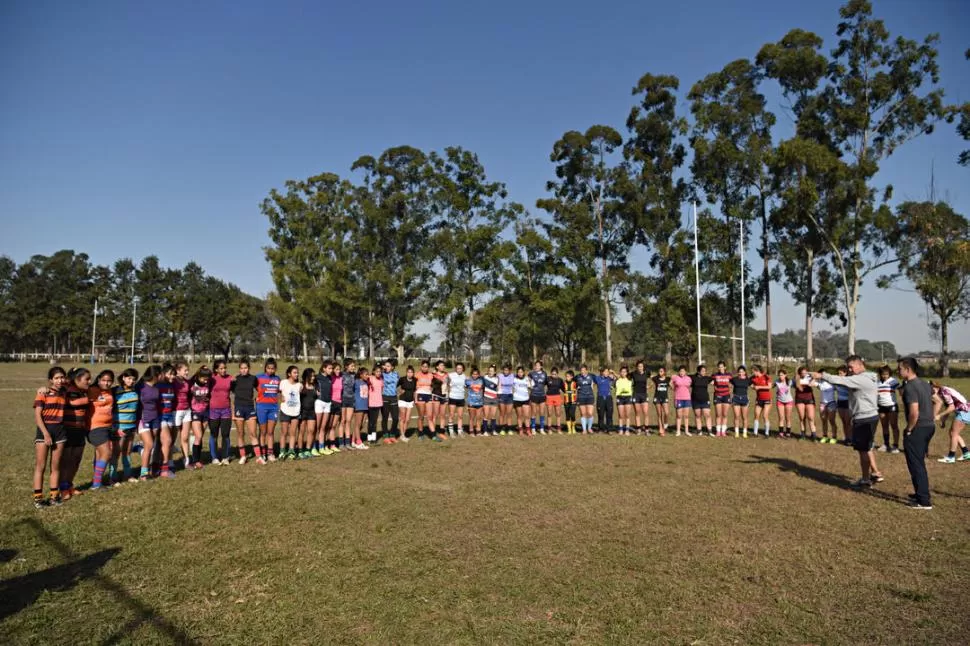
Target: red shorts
554, 400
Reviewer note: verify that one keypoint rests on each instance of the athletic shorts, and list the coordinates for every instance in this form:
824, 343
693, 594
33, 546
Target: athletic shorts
827, 406
168, 419
283, 417
476, 406
491, 402
424, 398
700, 405
307, 415
266, 413
681, 404
75, 436
554, 400
624, 400
863, 432
356, 410
441, 399
56, 431
761, 403
964, 416
538, 399
335, 408
99, 436
220, 413
722, 399
321, 407
347, 403
740, 400
504, 399
406, 405
785, 404
585, 401
456, 402
805, 400
843, 404
639, 399
121, 432
148, 427
245, 413
660, 400
182, 416
889, 409
519, 404
201, 416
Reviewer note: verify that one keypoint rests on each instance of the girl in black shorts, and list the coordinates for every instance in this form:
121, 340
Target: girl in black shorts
308, 416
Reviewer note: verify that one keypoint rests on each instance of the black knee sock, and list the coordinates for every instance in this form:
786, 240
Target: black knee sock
225, 427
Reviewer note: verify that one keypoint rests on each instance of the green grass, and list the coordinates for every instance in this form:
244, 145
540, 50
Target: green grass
555, 539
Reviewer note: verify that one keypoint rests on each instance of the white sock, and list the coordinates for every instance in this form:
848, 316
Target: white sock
756, 426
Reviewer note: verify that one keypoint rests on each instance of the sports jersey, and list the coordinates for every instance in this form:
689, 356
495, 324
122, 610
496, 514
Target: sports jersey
75, 408
456, 385
101, 408
520, 389
491, 387
221, 386
554, 386
324, 387
424, 383
603, 386
148, 396
51, 405
182, 395
762, 386
827, 392
661, 386
505, 384
953, 398
783, 390
267, 389
886, 392
200, 396
681, 387
584, 386
843, 392
569, 391
639, 380
624, 387
722, 384
125, 408
699, 385
439, 383
307, 399
391, 380
538, 378
243, 388
375, 388
408, 388
740, 385
476, 391
803, 392
336, 387
166, 397
361, 393
290, 397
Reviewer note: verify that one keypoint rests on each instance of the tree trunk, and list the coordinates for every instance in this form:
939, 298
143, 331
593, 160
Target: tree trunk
809, 306
669, 356
767, 272
305, 356
343, 350
582, 357
370, 334
944, 348
400, 354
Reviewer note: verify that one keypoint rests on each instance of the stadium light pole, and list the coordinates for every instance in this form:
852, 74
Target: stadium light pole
94, 330
134, 315
697, 287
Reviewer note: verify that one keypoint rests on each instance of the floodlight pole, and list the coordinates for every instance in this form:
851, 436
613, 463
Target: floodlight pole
94, 330
134, 314
697, 287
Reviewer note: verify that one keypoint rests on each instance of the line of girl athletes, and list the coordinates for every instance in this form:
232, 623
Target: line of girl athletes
341, 406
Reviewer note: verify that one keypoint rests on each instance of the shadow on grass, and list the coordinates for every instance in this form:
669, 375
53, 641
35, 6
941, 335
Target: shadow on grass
62, 577
823, 477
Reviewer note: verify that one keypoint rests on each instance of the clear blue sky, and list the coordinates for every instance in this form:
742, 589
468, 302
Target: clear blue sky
130, 128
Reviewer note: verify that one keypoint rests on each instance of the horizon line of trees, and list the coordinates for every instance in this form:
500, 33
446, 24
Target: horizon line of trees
414, 234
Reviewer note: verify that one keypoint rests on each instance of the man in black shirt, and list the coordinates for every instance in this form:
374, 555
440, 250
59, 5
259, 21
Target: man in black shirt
700, 399
920, 426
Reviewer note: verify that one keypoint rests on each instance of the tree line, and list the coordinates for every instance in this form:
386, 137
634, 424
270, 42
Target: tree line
412, 235
47, 305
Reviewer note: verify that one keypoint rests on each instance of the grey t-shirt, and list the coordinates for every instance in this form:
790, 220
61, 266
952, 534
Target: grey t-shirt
862, 393
920, 392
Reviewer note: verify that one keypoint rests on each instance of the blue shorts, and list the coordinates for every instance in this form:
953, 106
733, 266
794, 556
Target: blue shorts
146, 427
740, 400
245, 412
505, 400
266, 413
585, 401
682, 403
964, 416
722, 399
168, 419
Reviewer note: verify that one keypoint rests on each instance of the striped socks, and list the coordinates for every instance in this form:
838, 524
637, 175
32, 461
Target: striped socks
99, 467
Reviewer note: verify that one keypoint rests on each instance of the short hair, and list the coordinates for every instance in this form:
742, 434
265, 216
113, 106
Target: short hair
911, 364
854, 357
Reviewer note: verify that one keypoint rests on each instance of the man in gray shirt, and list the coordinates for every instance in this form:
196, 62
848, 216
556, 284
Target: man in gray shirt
865, 414
920, 426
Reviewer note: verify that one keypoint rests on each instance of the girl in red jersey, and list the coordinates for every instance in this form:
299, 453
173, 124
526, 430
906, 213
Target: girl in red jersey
761, 383
805, 404
722, 398
50, 439
183, 410
75, 428
220, 413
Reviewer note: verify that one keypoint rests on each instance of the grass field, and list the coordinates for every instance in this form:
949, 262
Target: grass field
552, 539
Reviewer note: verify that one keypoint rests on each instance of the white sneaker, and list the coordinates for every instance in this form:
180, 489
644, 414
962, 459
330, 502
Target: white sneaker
216, 461
242, 460
883, 449
226, 462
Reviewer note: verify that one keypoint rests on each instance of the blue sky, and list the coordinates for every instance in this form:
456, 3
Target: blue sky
130, 128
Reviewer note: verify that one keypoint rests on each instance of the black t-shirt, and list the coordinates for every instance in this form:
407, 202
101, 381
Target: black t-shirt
407, 386
661, 385
699, 388
920, 392
639, 383
740, 386
554, 386
244, 387
324, 388
307, 398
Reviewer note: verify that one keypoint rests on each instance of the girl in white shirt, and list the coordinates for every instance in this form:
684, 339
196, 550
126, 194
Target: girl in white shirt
521, 386
827, 411
888, 409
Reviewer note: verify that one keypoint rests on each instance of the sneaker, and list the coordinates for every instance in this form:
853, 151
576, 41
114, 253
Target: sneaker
197, 466
877, 477
862, 483
307, 455
326, 451
216, 461
403, 438
168, 474
226, 462
949, 459
271, 458
917, 505
334, 449
260, 460
315, 452
883, 449
242, 460
56, 501
436, 439
744, 435
143, 478
895, 449
965, 457
40, 503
